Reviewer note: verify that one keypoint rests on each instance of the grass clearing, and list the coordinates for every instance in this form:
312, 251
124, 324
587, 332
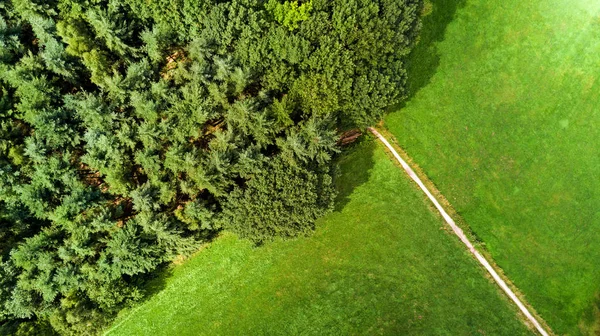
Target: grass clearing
505, 120
380, 264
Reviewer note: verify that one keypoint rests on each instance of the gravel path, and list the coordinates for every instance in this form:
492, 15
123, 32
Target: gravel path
461, 235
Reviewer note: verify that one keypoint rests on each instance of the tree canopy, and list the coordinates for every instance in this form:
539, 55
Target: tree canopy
131, 131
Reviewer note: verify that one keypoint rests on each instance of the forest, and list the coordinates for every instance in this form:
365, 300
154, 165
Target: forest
133, 131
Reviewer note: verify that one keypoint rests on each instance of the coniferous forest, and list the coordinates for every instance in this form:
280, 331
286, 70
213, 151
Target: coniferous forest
132, 131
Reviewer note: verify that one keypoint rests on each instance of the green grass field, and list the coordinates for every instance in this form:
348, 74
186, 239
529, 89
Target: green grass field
505, 119
380, 264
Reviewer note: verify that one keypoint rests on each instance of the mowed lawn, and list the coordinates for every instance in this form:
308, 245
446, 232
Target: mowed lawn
505, 119
382, 263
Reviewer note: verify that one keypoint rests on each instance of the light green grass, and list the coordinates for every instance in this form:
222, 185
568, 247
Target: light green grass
380, 264
505, 119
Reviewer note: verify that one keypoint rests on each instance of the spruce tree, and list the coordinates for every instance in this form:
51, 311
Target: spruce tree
133, 131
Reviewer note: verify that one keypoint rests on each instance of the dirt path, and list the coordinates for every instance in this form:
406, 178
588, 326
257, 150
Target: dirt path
461, 235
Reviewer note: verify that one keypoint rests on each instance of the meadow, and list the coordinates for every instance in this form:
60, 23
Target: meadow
504, 117
381, 263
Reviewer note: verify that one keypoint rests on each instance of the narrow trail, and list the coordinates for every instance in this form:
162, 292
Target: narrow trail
461, 235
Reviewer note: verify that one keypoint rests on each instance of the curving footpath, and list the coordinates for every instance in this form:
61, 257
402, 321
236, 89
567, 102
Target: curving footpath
459, 232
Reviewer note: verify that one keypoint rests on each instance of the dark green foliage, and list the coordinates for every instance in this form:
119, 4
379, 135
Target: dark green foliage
132, 131
28, 328
285, 198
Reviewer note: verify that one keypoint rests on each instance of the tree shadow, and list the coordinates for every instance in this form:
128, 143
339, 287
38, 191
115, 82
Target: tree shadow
155, 281
589, 323
354, 169
423, 61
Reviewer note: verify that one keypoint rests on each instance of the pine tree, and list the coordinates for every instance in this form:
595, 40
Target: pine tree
132, 131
